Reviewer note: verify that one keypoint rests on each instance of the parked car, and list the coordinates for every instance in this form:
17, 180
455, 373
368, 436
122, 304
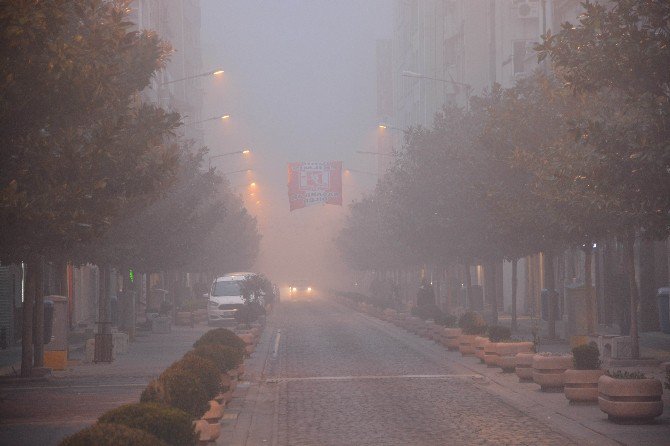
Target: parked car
225, 299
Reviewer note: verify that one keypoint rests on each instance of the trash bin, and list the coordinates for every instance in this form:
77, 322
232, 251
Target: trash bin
48, 320
663, 296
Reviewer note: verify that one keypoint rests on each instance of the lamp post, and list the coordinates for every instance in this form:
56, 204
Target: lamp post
240, 152
213, 118
238, 171
216, 72
375, 153
468, 87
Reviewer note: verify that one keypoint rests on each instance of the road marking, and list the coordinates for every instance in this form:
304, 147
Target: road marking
96, 386
276, 349
372, 377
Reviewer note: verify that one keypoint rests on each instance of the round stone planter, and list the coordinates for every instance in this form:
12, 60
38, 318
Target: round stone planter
548, 371
491, 354
630, 401
523, 366
480, 343
581, 386
450, 338
507, 352
466, 344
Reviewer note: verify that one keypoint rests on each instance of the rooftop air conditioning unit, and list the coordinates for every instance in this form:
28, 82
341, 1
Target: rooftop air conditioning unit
527, 9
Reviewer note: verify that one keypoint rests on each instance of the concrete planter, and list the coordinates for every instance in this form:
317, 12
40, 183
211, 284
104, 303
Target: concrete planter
215, 412
491, 356
507, 352
523, 366
207, 432
630, 401
466, 344
450, 338
480, 343
548, 371
581, 386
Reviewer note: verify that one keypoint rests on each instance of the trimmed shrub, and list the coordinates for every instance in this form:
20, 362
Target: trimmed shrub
425, 312
623, 374
586, 357
204, 370
225, 358
169, 424
221, 336
101, 434
447, 320
499, 333
472, 323
181, 389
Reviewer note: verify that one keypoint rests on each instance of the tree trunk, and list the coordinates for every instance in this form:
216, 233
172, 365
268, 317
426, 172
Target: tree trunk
103, 301
38, 315
27, 326
468, 286
490, 284
514, 292
550, 285
629, 259
588, 259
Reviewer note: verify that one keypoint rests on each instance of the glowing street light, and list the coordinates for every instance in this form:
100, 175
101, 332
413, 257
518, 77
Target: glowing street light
213, 118
390, 127
216, 72
237, 152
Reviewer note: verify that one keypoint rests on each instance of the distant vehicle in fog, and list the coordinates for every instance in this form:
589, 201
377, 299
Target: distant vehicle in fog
300, 288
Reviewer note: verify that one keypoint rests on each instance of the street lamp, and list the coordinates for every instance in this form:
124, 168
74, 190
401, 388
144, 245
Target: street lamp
238, 171
375, 153
216, 72
242, 152
213, 118
361, 171
383, 126
467, 87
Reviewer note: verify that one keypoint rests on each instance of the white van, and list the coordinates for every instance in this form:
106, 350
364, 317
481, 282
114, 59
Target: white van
225, 298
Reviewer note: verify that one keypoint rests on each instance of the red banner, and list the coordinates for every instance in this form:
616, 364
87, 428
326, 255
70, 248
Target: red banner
314, 183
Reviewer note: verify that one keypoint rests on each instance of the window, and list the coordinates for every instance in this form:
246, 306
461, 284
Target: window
230, 288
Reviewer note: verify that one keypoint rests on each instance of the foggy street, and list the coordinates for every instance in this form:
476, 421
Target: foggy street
342, 378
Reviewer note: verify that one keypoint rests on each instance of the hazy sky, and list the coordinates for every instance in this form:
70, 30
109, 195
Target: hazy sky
300, 84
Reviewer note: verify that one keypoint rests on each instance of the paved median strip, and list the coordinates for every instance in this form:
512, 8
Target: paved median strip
371, 377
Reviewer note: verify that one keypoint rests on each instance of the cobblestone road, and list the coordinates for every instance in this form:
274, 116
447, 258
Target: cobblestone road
345, 379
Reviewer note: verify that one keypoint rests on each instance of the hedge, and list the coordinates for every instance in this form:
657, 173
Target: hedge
169, 424
102, 434
225, 358
221, 336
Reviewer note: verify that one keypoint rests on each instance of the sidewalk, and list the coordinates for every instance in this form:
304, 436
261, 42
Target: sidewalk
41, 413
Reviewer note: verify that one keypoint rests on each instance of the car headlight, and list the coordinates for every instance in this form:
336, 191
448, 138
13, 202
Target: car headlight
309, 289
294, 289
213, 303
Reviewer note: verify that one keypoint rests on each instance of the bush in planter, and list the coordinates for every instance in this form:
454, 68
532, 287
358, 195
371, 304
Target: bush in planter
447, 320
101, 434
425, 312
204, 370
173, 426
623, 374
472, 323
188, 384
224, 357
586, 357
221, 336
499, 333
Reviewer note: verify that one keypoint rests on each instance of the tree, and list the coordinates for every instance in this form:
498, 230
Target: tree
617, 55
75, 145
